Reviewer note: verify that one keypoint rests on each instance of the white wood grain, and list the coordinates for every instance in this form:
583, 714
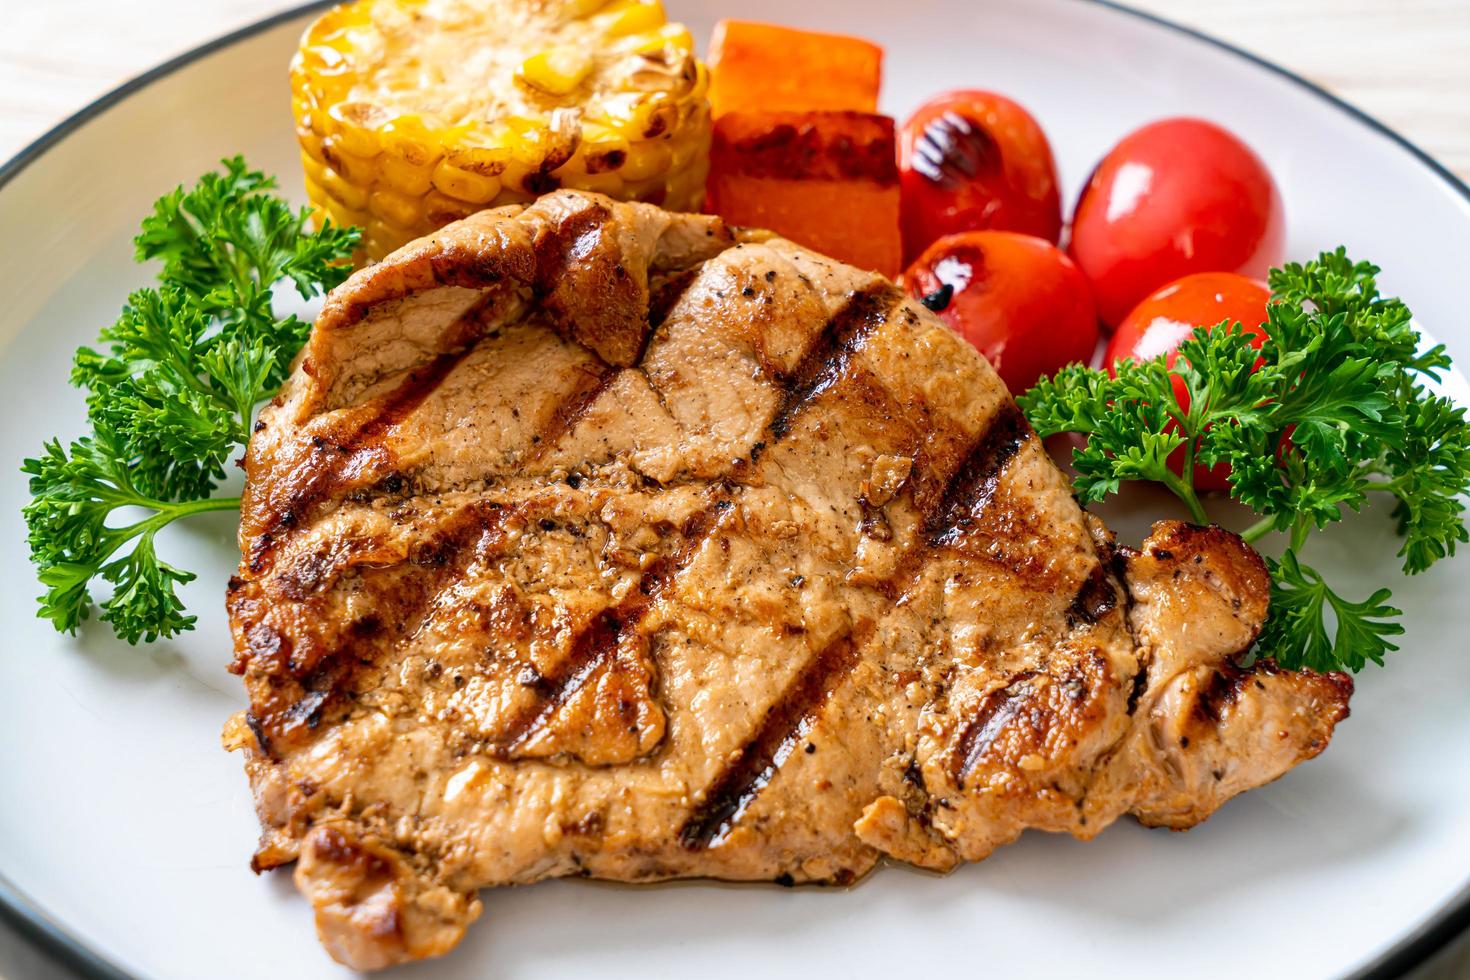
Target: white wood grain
1406, 61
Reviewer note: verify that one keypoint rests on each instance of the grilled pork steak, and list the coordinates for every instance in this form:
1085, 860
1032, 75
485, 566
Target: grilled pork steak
591, 539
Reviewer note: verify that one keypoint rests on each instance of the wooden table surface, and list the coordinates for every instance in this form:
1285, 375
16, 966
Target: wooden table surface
1406, 62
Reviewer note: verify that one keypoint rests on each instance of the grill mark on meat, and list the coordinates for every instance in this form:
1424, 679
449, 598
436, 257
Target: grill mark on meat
786, 725
999, 709
573, 409
826, 361
472, 533
597, 643
333, 464
1140, 684
973, 486
963, 498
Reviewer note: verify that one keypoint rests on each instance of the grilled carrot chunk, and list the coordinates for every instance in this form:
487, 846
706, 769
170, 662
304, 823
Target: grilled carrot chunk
826, 180
765, 67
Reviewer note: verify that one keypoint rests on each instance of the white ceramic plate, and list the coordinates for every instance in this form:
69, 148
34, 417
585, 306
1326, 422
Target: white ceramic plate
125, 830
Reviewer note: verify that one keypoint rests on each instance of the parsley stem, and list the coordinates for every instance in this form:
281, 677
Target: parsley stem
1185, 492
1258, 530
166, 513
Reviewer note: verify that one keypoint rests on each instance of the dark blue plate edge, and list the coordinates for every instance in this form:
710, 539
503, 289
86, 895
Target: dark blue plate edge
27, 918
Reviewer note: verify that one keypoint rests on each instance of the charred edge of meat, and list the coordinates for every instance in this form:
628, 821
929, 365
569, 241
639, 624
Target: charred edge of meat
597, 642
827, 359
975, 483
997, 711
1095, 599
1222, 691
253, 722
557, 249
785, 726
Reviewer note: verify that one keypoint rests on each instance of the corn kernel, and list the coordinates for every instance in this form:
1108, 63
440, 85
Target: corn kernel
581, 9
349, 194
686, 189
311, 143
465, 185
441, 209
683, 151
411, 139
381, 238
405, 178
558, 70
654, 190
390, 141
356, 169
313, 167
402, 210
344, 216
355, 124
610, 183
632, 17
646, 158
676, 34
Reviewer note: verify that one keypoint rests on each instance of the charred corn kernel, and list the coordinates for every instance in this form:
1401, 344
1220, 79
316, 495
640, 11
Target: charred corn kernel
557, 70
357, 170
404, 177
411, 140
355, 125
466, 185
413, 113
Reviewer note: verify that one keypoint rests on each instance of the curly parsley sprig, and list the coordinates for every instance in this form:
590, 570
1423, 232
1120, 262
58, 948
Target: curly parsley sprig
171, 395
1332, 408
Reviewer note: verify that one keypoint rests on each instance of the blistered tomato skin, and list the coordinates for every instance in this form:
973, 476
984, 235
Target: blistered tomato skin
1166, 318
1176, 197
973, 161
1017, 298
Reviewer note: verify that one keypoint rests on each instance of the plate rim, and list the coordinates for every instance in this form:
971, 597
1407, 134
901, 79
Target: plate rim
59, 943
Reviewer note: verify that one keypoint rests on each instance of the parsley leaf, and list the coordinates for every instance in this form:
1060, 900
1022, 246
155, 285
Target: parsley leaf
1331, 409
171, 395
1296, 634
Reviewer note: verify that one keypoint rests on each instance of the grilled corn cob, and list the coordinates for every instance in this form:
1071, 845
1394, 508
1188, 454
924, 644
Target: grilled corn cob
414, 113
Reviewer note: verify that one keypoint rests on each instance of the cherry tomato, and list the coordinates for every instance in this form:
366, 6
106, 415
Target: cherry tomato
1175, 197
1159, 324
972, 161
1017, 298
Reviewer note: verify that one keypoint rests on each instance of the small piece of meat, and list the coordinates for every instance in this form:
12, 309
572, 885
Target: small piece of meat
589, 539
